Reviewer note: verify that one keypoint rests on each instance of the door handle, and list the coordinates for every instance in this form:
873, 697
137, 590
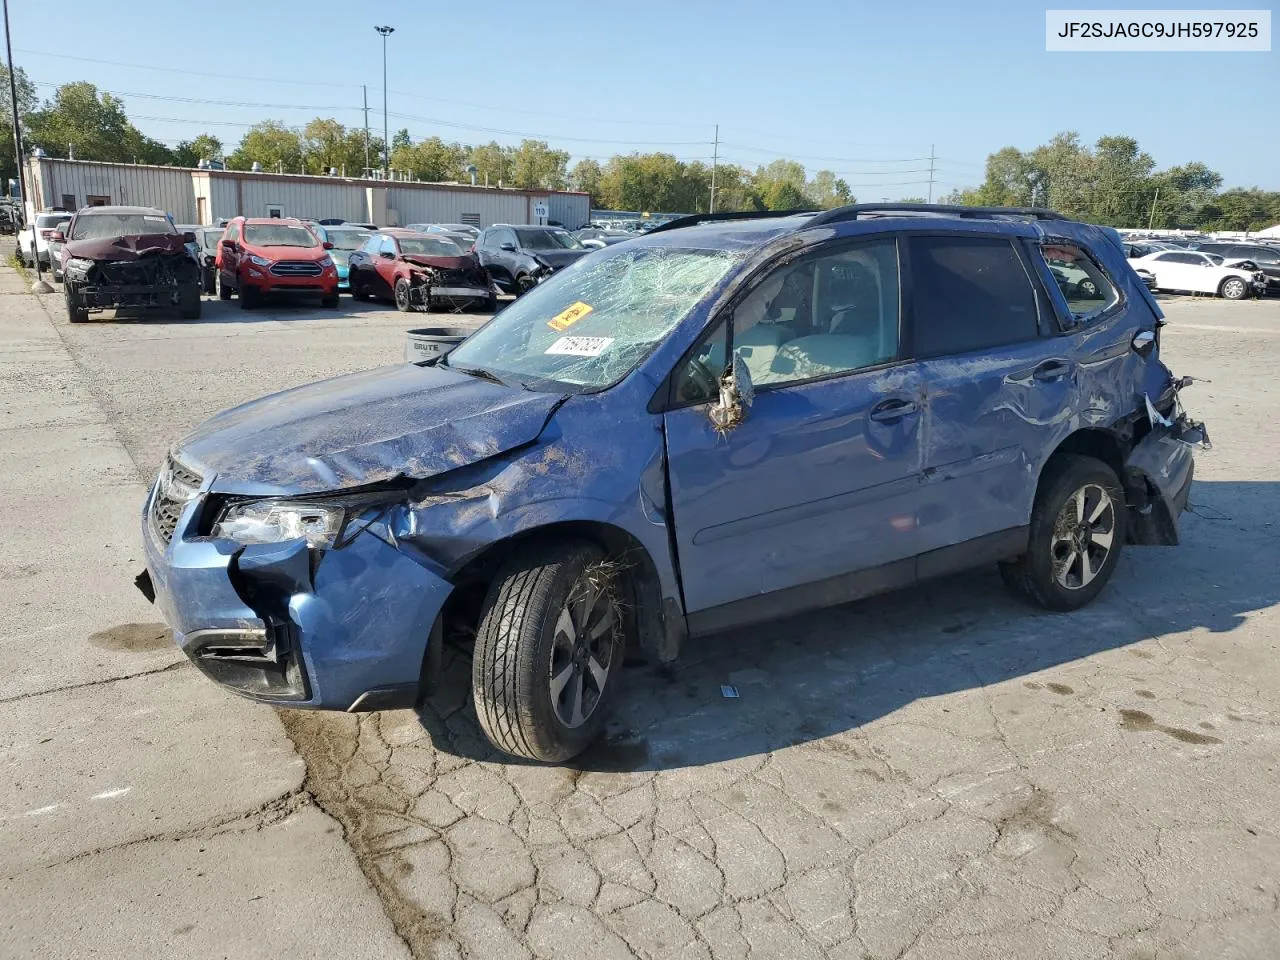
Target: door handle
1051, 371
891, 411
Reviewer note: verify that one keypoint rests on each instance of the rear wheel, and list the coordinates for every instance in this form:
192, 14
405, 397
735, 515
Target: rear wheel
1233, 288
549, 652
224, 292
402, 295
358, 288
1077, 530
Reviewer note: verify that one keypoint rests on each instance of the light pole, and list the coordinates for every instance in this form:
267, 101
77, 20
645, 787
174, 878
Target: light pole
386, 142
39, 286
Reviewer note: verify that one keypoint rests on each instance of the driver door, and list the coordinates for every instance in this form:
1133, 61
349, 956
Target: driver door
384, 265
811, 499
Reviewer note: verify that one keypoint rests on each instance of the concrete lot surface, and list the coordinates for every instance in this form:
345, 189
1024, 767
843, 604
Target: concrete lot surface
939, 773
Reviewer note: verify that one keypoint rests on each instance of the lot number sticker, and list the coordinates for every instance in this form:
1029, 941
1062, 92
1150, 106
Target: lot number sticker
567, 318
580, 346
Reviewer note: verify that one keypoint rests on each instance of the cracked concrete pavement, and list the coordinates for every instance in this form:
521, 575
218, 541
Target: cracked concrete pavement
939, 773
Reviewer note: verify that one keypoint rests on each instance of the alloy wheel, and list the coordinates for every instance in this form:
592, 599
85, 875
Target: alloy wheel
1233, 289
1083, 535
582, 652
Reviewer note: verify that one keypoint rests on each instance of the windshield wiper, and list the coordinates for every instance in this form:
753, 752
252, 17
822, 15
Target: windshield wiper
479, 372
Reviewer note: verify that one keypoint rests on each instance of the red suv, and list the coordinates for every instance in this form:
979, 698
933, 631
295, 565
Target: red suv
259, 257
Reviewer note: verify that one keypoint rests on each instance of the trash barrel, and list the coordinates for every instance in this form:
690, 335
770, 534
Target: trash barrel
431, 343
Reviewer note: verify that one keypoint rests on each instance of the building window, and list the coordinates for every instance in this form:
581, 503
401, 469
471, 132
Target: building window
96, 201
68, 201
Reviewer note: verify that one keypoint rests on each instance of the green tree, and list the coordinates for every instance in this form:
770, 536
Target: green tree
432, 160
91, 125
534, 165
586, 177
493, 164
26, 103
188, 153
827, 190
401, 139
271, 144
327, 144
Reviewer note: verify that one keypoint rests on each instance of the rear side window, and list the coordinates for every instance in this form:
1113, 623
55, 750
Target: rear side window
970, 293
1084, 286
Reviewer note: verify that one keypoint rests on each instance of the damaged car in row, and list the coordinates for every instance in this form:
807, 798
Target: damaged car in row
419, 271
130, 257
611, 464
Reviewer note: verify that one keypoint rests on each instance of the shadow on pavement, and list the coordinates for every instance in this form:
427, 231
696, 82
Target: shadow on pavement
809, 677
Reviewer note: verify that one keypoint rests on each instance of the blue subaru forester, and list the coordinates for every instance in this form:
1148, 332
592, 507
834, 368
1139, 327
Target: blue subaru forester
730, 419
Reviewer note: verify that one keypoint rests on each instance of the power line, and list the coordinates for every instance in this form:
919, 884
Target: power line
183, 70
799, 156
205, 101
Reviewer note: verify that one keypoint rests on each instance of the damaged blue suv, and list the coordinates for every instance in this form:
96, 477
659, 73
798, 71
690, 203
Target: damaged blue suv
729, 419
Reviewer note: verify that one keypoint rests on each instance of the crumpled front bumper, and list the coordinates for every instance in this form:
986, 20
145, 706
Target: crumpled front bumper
340, 629
1164, 458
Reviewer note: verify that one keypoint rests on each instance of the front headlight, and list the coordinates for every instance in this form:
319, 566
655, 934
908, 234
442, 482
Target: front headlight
325, 262
275, 521
260, 261
79, 263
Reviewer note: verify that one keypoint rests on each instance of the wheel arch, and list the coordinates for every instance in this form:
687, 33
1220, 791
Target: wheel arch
658, 624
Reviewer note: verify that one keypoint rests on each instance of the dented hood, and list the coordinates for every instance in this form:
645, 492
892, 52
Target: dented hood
465, 262
364, 428
127, 248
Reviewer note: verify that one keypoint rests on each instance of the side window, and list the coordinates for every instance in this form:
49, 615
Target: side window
818, 317
970, 293
388, 245
483, 241
1085, 287
370, 246
508, 236
233, 232
1192, 258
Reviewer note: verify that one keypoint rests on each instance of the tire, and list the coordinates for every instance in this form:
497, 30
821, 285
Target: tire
189, 305
522, 646
210, 282
402, 295
524, 283
248, 297
358, 290
329, 302
75, 312
490, 305
1233, 288
224, 292
1051, 573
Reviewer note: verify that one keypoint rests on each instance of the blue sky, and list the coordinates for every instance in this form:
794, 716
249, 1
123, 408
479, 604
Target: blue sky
860, 88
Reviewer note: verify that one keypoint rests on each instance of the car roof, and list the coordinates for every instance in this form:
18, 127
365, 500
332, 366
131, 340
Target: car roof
289, 221
138, 211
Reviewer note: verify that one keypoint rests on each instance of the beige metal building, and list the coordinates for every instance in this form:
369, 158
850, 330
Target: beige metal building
205, 196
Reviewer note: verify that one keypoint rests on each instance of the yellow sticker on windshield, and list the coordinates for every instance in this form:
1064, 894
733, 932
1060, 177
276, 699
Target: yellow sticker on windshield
568, 317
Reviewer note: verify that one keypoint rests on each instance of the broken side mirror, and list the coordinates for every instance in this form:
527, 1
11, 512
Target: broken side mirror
1144, 341
228, 244
328, 245
736, 394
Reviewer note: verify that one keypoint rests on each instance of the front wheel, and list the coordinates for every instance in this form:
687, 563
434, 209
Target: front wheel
248, 297
524, 283
1077, 530
223, 291
329, 302
402, 295
549, 652
1233, 288
75, 312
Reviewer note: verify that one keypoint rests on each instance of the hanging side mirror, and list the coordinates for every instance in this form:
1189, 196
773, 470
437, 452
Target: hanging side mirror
736, 394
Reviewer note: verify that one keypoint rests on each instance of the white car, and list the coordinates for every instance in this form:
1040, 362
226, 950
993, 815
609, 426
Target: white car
1199, 273
47, 222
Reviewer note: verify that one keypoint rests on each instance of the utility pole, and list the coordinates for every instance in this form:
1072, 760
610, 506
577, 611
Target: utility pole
1151, 223
715, 160
364, 89
931, 159
386, 139
40, 286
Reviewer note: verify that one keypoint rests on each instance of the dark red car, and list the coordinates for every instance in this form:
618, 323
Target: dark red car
419, 271
264, 257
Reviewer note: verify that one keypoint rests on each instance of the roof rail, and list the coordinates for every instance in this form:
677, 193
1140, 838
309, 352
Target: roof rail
697, 218
855, 211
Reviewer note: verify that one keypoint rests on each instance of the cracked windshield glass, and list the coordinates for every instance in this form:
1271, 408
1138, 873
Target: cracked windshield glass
590, 325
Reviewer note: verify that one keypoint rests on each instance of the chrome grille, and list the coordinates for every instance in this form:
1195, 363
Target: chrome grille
296, 268
176, 486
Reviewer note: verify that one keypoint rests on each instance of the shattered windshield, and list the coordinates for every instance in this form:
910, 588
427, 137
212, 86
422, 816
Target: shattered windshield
591, 324
273, 235
549, 240
106, 226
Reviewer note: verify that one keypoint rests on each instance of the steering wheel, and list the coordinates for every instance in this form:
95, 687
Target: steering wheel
699, 375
